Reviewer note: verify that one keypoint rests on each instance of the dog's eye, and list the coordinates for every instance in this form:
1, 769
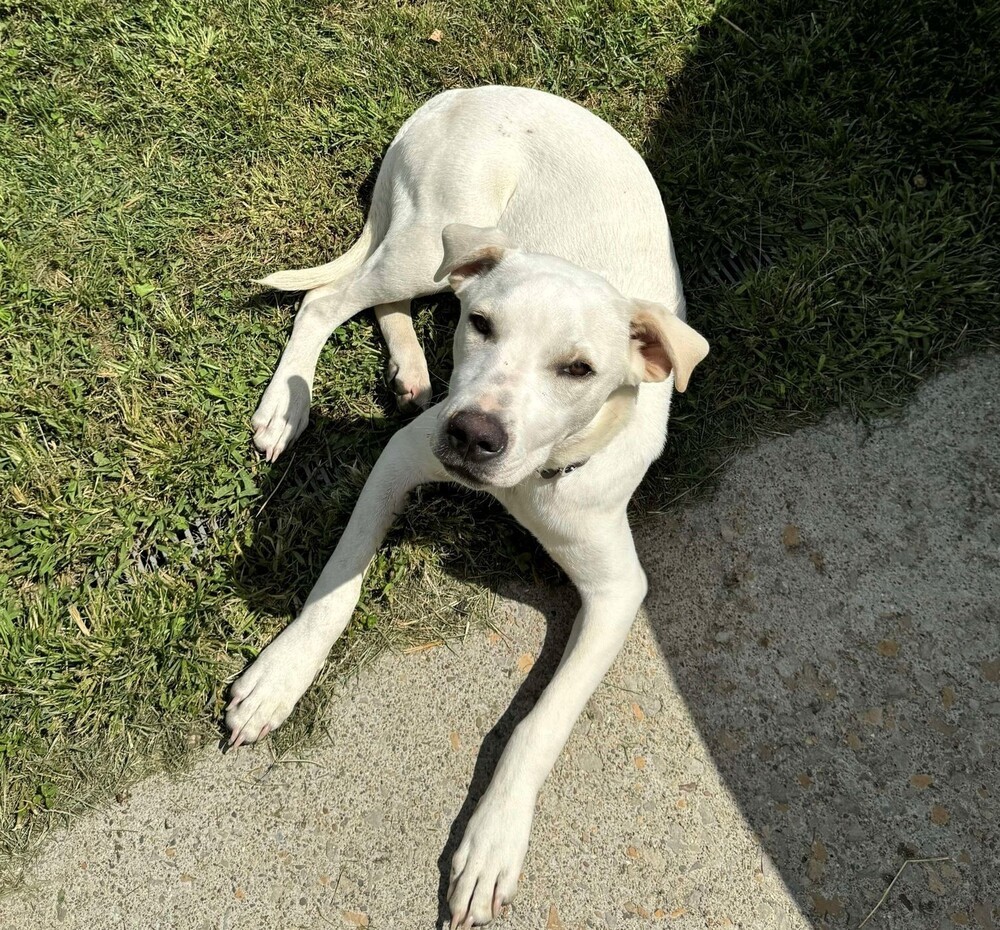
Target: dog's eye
578, 369
481, 324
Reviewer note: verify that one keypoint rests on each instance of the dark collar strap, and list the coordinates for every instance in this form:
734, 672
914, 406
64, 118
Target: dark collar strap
548, 473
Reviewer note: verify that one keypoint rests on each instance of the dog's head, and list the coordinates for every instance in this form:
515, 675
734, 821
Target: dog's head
548, 359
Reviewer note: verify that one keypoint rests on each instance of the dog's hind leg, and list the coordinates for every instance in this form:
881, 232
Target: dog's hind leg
400, 268
283, 412
406, 373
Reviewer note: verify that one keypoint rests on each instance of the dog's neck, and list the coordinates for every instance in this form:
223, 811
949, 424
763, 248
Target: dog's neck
611, 419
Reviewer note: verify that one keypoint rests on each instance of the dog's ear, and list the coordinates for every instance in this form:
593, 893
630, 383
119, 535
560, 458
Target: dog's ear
470, 251
662, 343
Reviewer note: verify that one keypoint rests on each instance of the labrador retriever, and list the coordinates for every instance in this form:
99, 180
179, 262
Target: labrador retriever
548, 226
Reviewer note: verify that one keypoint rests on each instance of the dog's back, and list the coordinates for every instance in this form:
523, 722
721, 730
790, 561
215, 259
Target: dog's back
539, 166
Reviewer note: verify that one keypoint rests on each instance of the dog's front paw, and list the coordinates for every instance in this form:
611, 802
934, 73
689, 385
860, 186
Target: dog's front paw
485, 869
282, 415
265, 694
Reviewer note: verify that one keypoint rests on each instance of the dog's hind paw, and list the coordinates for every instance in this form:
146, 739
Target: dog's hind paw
282, 415
411, 383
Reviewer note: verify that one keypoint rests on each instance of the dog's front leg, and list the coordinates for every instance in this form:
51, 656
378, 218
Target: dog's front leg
612, 585
265, 694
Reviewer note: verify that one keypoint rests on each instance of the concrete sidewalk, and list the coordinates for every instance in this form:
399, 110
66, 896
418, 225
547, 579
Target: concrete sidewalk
811, 698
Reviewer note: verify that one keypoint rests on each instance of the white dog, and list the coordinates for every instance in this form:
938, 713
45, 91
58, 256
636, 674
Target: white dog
550, 229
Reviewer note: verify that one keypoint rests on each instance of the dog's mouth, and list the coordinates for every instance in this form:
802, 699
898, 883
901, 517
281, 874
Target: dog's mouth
460, 468
464, 475
478, 478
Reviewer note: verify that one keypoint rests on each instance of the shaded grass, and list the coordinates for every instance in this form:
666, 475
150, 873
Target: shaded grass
158, 154
847, 154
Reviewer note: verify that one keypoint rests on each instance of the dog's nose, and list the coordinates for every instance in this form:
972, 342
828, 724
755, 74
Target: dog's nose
476, 436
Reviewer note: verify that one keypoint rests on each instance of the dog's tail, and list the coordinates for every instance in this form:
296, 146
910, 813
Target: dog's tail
305, 279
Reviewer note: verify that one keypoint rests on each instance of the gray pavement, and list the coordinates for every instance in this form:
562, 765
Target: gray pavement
810, 698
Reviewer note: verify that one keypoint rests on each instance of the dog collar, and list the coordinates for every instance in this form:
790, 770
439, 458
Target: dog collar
548, 473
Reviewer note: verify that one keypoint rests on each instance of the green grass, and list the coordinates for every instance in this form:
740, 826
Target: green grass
157, 154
